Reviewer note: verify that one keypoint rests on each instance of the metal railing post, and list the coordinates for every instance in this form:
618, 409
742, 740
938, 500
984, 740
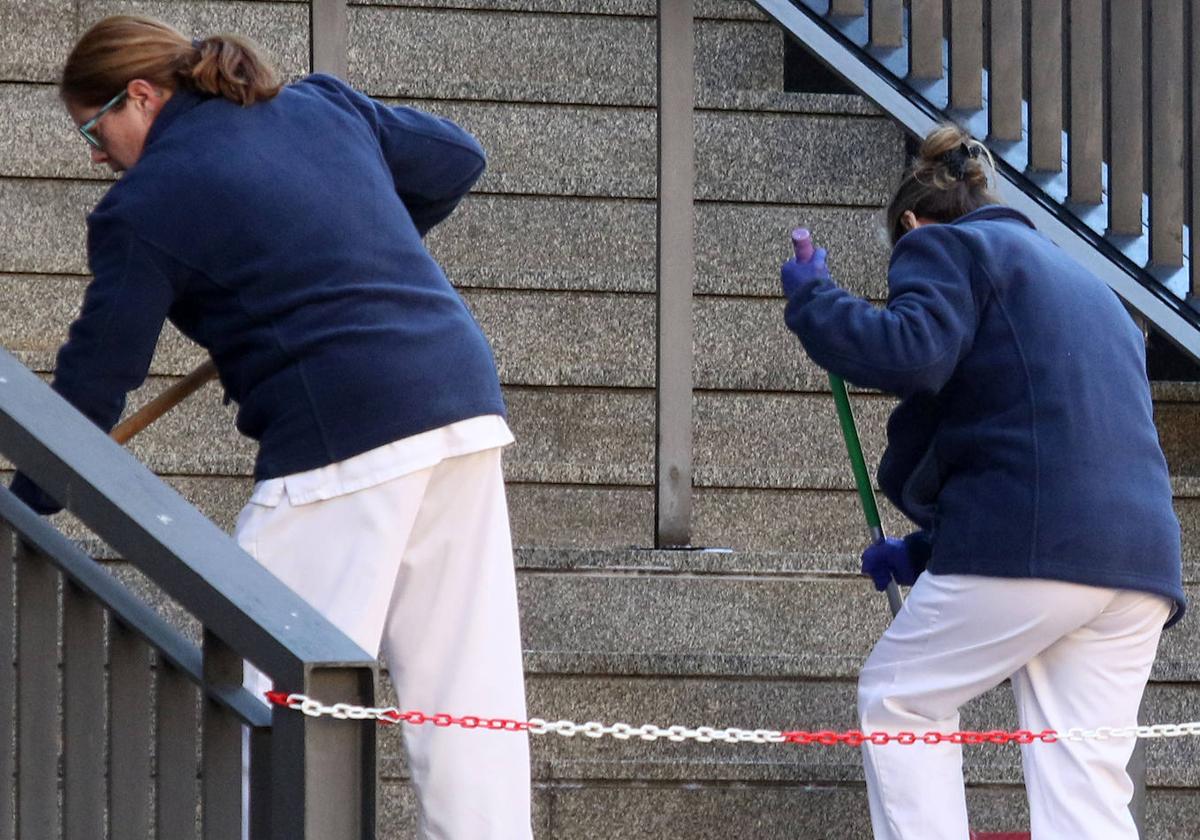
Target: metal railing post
8, 680
676, 270
323, 769
329, 36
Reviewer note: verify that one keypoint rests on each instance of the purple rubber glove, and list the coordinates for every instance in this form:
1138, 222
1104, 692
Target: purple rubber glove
796, 275
888, 560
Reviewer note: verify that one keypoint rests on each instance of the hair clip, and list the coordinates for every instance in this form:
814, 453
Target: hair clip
956, 159
197, 43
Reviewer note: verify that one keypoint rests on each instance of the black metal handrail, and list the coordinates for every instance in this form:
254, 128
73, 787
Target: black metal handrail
311, 778
865, 41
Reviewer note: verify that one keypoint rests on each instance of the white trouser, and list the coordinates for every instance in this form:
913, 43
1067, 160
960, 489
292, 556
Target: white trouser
1077, 656
421, 568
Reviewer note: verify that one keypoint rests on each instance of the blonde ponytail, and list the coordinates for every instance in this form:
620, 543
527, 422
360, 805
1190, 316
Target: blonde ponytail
122, 48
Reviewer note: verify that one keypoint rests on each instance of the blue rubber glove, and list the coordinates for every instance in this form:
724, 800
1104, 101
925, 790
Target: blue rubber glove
796, 275
888, 560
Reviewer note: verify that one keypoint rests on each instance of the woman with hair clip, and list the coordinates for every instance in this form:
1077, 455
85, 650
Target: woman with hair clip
281, 229
1025, 450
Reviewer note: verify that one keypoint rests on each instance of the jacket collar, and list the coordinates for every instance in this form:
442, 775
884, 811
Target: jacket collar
993, 211
181, 101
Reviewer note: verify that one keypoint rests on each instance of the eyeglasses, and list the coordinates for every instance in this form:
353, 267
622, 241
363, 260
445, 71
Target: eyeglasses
87, 128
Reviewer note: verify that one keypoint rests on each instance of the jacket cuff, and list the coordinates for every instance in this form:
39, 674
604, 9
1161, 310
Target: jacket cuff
919, 545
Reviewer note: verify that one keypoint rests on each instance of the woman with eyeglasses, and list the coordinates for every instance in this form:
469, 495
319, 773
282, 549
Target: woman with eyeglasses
1024, 448
281, 229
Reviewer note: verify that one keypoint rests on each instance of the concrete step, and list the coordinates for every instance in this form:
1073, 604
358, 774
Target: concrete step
34, 42
555, 53
581, 471
603, 151
630, 670
575, 811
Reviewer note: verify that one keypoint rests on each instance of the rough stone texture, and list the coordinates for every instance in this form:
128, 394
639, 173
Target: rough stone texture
575, 151
549, 516
563, 436
778, 158
730, 9
627, 620
580, 516
581, 437
1177, 425
739, 247
36, 310
504, 241
451, 54
611, 152
780, 440
743, 345
557, 338
634, 623
719, 812
534, 242
594, 59
641, 8
35, 37
823, 527
42, 226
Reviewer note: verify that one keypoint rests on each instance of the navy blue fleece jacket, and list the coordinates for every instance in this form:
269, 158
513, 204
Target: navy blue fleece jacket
1025, 442
286, 238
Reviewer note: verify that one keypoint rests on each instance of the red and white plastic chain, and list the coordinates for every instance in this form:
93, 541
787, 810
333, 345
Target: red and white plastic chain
706, 734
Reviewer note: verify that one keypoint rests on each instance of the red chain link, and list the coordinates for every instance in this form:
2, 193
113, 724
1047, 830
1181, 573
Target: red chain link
856, 738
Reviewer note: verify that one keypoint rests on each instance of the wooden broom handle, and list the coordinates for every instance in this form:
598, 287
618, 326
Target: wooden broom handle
164, 402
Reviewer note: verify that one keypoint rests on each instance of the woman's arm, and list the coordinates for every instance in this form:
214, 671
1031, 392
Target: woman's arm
111, 342
912, 345
434, 163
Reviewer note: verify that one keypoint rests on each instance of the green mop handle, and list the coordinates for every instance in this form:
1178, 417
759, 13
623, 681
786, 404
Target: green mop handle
802, 245
866, 493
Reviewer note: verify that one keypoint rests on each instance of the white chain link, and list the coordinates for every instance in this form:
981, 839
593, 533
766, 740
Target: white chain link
651, 732
1158, 730
702, 734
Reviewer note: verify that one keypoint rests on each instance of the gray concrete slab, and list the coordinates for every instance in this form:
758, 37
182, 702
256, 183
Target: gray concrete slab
575, 151
569, 338
823, 526
626, 620
581, 437
42, 227
580, 516
1177, 424
535, 242
597, 151
36, 37
740, 246
452, 54
448, 53
729, 9
719, 812
759, 704
563, 436
784, 158
743, 344
780, 440
36, 311
499, 241
505, 241
638, 624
